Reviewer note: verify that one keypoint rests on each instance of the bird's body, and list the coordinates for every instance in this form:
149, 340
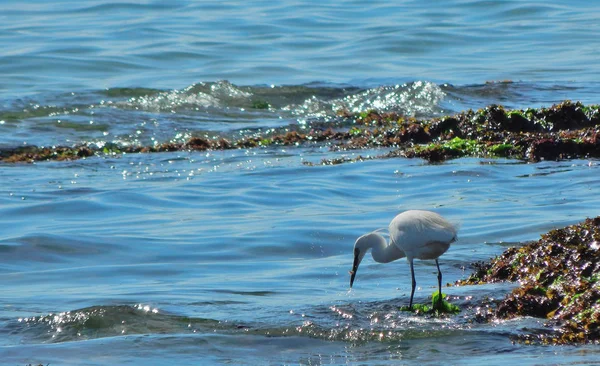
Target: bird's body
413, 234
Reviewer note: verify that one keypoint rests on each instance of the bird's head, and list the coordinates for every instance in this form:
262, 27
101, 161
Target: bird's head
361, 246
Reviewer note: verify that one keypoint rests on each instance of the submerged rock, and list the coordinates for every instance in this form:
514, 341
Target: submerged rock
559, 281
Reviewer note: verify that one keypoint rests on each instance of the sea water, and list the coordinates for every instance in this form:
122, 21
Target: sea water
242, 256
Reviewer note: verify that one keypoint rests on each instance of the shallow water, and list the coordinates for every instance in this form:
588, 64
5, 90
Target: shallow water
193, 256
242, 256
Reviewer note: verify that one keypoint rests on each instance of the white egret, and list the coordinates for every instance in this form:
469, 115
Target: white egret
413, 234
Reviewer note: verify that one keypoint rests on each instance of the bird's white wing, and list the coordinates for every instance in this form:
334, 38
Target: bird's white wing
412, 229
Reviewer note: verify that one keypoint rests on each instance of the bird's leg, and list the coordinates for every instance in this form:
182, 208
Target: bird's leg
439, 283
414, 283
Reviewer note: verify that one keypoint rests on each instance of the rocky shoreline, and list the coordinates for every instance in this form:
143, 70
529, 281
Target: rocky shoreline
563, 131
559, 282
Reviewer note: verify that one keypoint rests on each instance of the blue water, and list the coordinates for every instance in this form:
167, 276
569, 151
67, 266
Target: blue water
69, 46
242, 256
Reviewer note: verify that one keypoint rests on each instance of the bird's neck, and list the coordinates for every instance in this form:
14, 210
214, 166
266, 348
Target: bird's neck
384, 252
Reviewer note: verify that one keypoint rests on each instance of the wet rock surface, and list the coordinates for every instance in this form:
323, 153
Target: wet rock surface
559, 281
563, 131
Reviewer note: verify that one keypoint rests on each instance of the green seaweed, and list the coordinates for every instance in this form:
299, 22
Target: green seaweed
500, 149
443, 306
437, 307
465, 146
365, 114
516, 113
355, 131
265, 142
455, 147
260, 104
529, 113
111, 148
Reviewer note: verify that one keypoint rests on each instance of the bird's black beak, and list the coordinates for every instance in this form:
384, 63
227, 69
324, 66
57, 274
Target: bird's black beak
354, 265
